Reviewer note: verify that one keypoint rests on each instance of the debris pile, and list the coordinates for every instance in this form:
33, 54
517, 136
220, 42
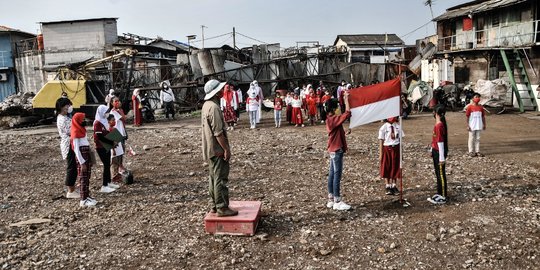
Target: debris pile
17, 104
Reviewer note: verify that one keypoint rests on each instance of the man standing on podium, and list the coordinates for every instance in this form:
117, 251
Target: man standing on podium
215, 147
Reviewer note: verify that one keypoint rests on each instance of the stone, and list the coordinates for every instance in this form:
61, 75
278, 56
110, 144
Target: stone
430, 237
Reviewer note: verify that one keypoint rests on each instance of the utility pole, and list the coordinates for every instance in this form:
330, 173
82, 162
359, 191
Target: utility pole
234, 37
202, 29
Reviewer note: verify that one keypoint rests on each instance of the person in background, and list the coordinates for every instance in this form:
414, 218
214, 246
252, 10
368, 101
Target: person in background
239, 100
288, 102
278, 106
229, 104
101, 129
252, 106
324, 99
167, 99
109, 97
120, 120
255, 91
311, 101
337, 146
439, 153
81, 148
390, 135
296, 105
215, 149
117, 154
339, 94
136, 106
63, 123
476, 122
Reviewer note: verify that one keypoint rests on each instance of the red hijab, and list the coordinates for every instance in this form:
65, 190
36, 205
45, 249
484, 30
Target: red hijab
228, 94
77, 130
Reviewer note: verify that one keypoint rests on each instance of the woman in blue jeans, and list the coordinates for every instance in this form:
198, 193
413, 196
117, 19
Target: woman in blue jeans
337, 146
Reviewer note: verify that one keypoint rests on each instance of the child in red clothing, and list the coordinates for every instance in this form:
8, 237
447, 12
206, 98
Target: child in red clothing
389, 154
296, 105
476, 122
439, 152
337, 146
312, 107
278, 106
324, 99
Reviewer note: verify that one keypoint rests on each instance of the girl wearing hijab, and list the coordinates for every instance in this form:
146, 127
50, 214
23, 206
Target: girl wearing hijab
120, 125
229, 105
137, 114
101, 129
81, 147
63, 122
255, 90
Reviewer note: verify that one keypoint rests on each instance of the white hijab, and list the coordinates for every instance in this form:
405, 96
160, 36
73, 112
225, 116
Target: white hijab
101, 116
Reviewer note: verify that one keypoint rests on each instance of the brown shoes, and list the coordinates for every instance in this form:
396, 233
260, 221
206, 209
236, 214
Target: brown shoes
226, 212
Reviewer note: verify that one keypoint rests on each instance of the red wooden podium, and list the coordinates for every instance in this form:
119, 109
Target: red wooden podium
245, 223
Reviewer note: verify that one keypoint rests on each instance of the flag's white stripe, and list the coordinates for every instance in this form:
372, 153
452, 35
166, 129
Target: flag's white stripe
374, 111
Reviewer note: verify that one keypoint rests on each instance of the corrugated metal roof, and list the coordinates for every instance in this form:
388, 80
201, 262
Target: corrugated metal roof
475, 7
80, 20
9, 29
370, 39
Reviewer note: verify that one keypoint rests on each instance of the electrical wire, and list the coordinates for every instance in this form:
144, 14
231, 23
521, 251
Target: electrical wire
404, 36
254, 39
205, 39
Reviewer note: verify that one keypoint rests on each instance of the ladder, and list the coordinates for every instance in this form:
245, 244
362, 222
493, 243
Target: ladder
524, 79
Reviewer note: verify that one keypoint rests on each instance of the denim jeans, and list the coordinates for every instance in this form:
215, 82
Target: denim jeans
253, 118
334, 174
277, 117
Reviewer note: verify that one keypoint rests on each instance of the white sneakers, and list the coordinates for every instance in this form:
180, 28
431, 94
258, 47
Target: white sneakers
437, 199
340, 206
106, 189
73, 195
89, 202
113, 185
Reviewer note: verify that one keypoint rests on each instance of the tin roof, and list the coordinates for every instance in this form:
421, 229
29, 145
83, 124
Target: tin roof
13, 30
80, 20
370, 39
475, 7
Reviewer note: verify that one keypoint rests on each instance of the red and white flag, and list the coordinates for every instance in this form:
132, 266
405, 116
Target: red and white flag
374, 102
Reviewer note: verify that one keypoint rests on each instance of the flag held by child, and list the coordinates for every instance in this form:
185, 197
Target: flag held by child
375, 102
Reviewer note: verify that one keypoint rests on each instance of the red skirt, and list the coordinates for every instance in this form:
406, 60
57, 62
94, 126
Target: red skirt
297, 116
390, 162
229, 115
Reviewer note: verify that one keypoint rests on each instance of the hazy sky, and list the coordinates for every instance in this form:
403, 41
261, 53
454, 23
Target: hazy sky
271, 21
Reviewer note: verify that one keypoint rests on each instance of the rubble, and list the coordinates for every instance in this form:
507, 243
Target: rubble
157, 221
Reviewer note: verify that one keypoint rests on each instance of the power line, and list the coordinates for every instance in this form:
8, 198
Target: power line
403, 36
254, 39
195, 41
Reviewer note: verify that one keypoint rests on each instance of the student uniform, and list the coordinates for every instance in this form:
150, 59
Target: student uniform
390, 133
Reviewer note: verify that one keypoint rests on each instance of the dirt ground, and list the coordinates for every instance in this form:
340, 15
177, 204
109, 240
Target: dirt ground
492, 220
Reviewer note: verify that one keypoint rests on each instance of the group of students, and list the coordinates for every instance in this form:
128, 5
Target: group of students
389, 135
77, 152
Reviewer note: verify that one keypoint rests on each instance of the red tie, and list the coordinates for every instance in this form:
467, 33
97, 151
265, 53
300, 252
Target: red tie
392, 135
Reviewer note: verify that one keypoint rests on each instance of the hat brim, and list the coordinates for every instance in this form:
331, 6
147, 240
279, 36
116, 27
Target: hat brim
213, 93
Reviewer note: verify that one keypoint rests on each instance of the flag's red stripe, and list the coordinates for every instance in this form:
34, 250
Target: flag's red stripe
373, 93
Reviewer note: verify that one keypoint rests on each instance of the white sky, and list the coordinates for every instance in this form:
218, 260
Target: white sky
271, 21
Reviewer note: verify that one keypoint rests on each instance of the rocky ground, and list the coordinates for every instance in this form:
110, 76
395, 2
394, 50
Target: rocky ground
491, 222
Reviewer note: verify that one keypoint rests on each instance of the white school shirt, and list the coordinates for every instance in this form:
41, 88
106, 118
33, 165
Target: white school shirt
78, 142
63, 123
296, 103
252, 104
288, 100
385, 133
119, 123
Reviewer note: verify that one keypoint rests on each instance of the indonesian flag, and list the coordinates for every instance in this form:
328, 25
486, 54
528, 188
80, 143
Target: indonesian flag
374, 102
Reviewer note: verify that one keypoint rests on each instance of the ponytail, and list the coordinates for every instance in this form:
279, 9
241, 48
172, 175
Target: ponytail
440, 110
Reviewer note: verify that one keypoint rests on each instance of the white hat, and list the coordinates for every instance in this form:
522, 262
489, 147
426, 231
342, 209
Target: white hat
211, 88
